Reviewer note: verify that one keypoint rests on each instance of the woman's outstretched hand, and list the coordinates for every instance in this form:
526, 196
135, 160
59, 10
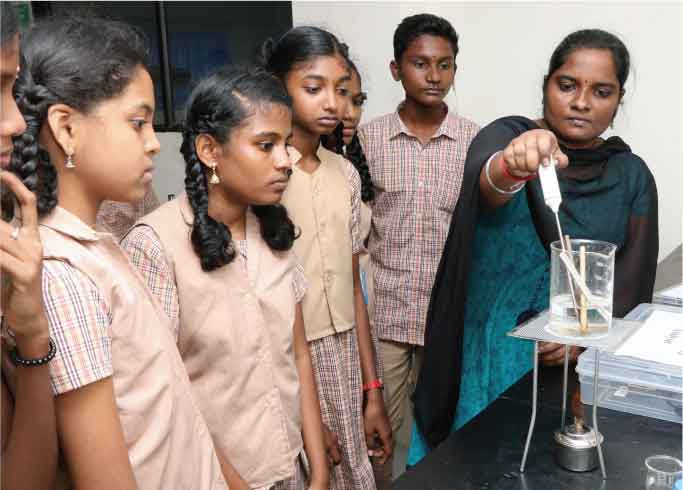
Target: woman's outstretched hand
528, 151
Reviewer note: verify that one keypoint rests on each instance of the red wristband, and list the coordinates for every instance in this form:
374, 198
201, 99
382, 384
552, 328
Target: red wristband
506, 171
373, 385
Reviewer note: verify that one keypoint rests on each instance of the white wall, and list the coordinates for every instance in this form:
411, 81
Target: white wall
504, 51
169, 170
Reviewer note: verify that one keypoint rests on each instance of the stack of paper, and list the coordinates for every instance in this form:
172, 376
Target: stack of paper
660, 339
670, 296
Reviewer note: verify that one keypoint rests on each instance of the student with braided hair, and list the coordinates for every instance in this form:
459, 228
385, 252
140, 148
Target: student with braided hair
28, 417
345, 142
88, 100
323, 198
219, 259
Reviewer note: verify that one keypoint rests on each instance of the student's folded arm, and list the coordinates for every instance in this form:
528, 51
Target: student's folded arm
310, 407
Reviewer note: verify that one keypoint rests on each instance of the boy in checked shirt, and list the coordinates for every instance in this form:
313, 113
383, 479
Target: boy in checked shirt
416, 157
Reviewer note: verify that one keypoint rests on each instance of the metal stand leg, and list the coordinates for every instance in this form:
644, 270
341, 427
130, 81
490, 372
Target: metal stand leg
595, 413
534, 403
564, 386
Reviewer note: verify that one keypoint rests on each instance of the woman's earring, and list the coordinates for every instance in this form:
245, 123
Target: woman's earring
70, 162
214, 176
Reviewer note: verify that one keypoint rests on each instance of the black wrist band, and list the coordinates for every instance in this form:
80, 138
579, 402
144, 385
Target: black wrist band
20, 361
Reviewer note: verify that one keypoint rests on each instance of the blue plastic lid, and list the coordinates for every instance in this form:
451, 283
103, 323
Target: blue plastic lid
678, 485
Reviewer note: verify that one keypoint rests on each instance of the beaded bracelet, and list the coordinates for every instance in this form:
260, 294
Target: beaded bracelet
513, 190
20, 361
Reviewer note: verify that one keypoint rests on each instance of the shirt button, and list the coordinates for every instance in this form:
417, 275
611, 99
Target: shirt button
420, 183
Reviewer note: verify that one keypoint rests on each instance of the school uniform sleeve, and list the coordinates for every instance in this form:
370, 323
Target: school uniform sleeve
299, 282
354, 225
146, 253
80, 326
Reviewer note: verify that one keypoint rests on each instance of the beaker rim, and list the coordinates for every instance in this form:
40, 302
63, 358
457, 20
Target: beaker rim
664, 458
608, 248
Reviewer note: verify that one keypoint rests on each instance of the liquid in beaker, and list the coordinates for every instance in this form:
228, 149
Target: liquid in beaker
595, 299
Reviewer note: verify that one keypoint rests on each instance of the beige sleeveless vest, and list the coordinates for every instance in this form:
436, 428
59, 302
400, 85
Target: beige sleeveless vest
169, 445
319, 204
236, 339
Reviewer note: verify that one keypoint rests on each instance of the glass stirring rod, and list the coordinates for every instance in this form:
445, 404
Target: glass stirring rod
553, 199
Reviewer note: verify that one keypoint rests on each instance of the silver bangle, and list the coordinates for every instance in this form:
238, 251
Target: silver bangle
513, 190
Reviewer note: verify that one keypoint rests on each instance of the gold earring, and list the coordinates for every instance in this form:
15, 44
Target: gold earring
69, 162
214, 176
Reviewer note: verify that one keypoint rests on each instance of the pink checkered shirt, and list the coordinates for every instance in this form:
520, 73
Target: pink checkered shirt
146, 252
416, 190
79, 317
117, 217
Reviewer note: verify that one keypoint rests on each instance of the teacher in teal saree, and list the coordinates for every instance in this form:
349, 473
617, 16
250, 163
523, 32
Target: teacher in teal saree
494, 272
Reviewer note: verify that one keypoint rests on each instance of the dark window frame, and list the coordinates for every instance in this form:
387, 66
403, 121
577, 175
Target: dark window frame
41, 9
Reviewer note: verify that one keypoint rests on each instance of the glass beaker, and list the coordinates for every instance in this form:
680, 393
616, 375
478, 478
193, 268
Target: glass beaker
590, 280
662, 472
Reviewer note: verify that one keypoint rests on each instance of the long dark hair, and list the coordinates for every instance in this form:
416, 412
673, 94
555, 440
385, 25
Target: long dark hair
354, 151
220, 103
75, 61
299, 45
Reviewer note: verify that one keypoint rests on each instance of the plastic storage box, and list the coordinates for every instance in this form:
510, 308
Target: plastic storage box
633, 385
671, 296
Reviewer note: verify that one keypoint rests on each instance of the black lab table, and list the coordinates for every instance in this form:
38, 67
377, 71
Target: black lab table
486, 453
